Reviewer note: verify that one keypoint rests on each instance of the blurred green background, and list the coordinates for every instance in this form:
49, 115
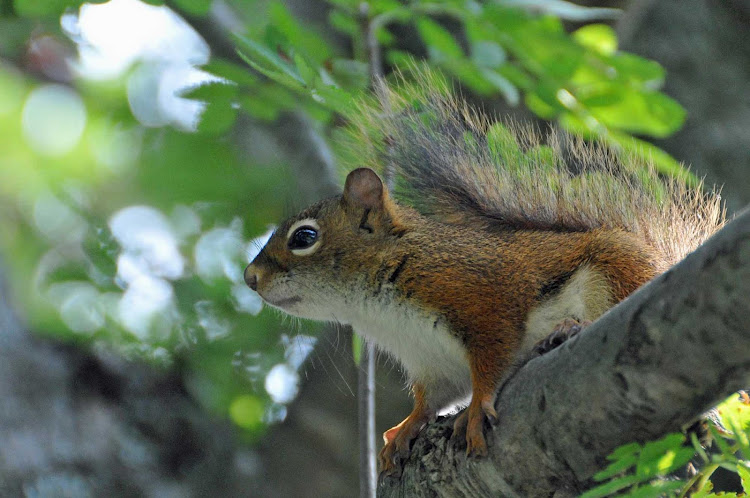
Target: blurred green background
147, 149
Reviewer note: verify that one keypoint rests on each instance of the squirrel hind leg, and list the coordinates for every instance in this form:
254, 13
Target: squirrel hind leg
398, 438
487, 372
565, 330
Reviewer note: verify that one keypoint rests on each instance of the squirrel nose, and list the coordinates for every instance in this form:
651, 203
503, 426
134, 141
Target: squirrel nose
251, 278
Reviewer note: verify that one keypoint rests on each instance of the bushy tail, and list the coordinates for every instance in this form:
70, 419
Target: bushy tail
456, 165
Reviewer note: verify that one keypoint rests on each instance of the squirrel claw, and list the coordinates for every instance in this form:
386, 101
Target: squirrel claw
398, 444
459, 427
561, 333
390, 461
469, 425
476, 447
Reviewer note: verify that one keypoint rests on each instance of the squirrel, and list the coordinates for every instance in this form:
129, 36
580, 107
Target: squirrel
496, 235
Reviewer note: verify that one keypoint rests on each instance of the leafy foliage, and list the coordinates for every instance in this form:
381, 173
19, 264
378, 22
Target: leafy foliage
647, 470
579, 79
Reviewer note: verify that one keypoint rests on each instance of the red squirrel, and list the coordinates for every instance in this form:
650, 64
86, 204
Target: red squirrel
496, 239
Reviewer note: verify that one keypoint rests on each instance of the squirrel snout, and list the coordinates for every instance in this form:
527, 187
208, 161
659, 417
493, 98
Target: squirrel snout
251, 277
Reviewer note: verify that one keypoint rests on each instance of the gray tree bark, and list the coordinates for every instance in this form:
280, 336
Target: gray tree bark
648, 367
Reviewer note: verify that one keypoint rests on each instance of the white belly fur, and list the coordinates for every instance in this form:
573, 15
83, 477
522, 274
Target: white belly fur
433, 356
429, 353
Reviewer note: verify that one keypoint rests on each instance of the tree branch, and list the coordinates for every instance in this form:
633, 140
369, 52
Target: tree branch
648, 367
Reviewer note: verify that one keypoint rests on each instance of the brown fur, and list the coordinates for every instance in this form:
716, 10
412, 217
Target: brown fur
483, 283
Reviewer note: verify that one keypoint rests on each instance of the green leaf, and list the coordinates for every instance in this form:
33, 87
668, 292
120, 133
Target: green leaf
306, 72
633, 111
314, 47
625, 450
231, 72
211, 91
610, 487
195, 7
334, 98
619, 465
262, 59
598, 37
744, 477
655, 489
42, 8
351, 73
217, 118
705, 491
343, 22
660, 457
293, 82
440, 43
267, 101
517, 76
737, 409
635, 69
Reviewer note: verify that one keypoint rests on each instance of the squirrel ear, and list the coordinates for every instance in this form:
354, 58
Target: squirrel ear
364, 188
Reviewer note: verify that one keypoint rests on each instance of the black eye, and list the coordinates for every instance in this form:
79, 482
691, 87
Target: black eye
303, 237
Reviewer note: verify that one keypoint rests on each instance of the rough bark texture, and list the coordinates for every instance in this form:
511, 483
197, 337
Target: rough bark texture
648, 367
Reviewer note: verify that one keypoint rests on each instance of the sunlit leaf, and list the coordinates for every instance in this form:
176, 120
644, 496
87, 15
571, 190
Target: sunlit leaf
744, 473
598, 37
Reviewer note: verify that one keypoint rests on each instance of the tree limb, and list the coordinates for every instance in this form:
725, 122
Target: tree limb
648, 367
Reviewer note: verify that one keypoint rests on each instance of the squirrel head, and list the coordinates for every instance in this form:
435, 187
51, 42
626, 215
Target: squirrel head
315, 260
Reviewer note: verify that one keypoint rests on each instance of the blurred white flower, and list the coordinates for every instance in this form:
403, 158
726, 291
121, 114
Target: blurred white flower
79, 305
282, 383
53, 119
246, 300
56, 220
145, 307
149, 245
297, 348
218, 253
214, 325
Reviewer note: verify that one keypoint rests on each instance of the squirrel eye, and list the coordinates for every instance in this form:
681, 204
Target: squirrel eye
303, 237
